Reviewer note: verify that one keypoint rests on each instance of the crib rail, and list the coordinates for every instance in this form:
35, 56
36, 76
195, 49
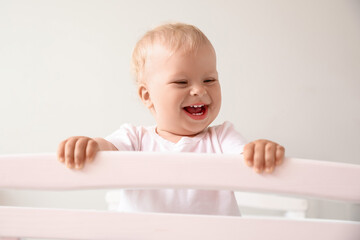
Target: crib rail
321, 179
95, 225
148, 170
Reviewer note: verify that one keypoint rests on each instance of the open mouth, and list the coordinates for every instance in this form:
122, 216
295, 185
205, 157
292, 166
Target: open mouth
197, 112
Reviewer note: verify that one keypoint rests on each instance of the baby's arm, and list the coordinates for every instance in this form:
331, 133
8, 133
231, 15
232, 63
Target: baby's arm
75, 151
263, 155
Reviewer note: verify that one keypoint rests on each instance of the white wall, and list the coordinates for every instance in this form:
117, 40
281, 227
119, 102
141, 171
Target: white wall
290, 70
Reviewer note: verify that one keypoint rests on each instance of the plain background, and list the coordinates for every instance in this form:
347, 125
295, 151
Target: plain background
290, 72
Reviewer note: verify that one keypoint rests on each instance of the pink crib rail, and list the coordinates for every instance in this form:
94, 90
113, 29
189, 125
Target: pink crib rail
148, 170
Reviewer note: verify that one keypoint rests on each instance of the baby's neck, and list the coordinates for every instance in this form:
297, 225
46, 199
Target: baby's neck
172, 137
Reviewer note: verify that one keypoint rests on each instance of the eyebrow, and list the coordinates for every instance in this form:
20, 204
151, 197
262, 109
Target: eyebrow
183, 74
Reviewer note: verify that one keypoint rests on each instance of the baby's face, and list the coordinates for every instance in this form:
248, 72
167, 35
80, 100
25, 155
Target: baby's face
182, 90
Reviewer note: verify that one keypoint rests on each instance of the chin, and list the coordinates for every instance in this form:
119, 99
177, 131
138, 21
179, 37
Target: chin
199, 129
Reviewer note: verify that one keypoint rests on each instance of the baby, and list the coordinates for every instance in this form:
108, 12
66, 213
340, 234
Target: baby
177, 80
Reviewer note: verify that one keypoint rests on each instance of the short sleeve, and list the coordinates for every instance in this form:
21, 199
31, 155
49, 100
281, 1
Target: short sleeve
126, 138
231, 141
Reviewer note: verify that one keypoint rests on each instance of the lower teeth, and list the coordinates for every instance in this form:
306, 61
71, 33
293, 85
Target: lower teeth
197, 114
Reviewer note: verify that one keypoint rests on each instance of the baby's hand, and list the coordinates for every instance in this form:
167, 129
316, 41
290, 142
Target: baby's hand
75, 151
263, 154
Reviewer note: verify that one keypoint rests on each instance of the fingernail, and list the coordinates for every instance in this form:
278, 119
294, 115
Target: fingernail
269, 169
249, 163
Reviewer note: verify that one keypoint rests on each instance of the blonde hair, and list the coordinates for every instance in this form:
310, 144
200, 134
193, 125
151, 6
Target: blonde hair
173, 36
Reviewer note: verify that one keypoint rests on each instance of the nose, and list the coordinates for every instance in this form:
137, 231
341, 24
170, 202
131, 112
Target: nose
198, 90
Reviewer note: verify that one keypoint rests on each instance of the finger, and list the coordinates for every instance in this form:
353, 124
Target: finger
249, 153
280, 153
91, 150
270, 155
61, 151
259, 157
80, 150
69, 152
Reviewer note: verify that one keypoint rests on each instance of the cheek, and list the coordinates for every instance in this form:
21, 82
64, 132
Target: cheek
167, 101
216, 95
219, 95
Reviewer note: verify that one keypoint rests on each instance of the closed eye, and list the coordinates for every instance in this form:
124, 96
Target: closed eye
209, 80
180, 82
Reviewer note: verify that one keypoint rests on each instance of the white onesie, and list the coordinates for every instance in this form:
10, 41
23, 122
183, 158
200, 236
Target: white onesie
217, 139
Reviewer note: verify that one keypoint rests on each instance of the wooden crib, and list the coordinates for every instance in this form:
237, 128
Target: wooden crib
329, 180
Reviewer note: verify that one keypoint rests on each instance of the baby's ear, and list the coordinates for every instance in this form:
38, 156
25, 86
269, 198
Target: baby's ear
144, 95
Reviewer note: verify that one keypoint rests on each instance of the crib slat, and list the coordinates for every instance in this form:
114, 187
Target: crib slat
187, 170
80, 224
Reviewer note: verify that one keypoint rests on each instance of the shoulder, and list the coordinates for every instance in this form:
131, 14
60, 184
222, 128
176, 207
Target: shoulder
128, 137
130, 129
229, 138
224, 128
